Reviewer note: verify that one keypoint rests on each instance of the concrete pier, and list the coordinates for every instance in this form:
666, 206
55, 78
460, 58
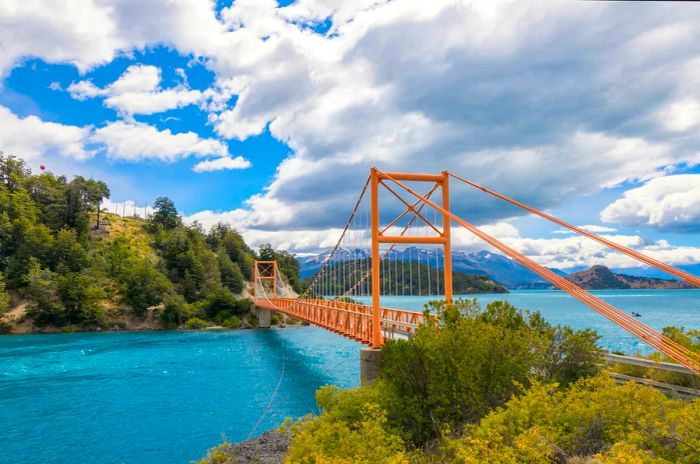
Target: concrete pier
264, 318
369, 365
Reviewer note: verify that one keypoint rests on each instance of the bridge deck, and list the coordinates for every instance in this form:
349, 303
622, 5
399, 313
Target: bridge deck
351, 320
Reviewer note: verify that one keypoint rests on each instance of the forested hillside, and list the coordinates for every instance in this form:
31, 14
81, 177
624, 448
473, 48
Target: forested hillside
63, 264
402, 278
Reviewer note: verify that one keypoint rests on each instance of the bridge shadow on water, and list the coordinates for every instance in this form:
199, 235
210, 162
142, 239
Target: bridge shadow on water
308, 367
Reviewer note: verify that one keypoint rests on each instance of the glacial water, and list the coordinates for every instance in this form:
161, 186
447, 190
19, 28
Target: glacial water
166, 397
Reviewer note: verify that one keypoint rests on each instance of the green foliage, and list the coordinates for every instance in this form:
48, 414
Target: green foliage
407, 278
195, 323
165, 215
457, 371
594, 417
275, 319
80, 298
217, 455
475, 386
231, 323
41, 287
472, 360
286, 263
67, 254
72, 275
4, 296
143, 286
231, 275
252, 321
352, 429
222, 238
219, 300
174, 310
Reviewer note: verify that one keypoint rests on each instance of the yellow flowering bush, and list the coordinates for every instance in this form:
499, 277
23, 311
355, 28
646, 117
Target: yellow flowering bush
594, 417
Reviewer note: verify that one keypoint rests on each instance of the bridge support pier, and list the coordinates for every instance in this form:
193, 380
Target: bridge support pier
264, 318
369, 365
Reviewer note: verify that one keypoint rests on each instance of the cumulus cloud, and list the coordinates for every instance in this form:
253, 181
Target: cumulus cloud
681, 115
31, 137
492, 90
132, 141
457, 85
670, 203
221, 164
596, 229
137, 91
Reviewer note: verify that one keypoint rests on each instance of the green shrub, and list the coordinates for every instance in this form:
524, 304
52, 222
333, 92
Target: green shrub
275, 319
174, 309
4, 296
352, 429
252, 320
195, 323
592, 418
232, 323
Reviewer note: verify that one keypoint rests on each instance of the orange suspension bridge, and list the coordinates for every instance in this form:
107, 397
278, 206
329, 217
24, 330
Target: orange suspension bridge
349, 274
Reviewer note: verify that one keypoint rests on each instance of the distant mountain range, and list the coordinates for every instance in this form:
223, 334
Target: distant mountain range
498, 267
601, 278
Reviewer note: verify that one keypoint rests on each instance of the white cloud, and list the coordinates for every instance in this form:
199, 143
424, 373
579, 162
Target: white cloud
30, 138
452, 85
221, 164
680, 115
138, 91
596, 229
666, 203
126, 208
489, 89
136, 141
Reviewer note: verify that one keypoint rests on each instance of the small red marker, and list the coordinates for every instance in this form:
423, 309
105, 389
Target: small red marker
42, 167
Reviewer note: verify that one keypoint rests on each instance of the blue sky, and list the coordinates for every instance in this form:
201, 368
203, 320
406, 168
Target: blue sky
268, 115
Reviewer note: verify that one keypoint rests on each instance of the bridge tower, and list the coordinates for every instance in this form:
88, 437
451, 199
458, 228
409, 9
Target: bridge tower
370, 357
265, 275
379, 236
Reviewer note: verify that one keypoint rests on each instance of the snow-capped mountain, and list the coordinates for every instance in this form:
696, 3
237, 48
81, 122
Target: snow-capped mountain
498, 267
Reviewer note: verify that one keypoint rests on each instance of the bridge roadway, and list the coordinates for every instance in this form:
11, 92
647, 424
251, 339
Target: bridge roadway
352, 320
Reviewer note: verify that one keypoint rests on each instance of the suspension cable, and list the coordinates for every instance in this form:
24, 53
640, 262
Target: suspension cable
664, 344
367, 276
688, 277
342, 235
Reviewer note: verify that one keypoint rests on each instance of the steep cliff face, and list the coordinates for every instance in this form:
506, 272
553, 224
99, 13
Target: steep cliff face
602, 278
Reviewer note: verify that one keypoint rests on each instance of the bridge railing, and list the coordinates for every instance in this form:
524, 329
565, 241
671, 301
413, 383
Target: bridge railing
353, 320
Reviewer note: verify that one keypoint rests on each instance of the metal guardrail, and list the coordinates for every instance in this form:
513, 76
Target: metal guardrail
676, 390
664, 366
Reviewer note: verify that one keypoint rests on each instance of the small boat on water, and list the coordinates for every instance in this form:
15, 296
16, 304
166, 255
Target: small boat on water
636, 314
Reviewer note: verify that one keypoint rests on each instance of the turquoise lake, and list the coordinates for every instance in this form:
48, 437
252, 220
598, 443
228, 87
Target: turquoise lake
166, 397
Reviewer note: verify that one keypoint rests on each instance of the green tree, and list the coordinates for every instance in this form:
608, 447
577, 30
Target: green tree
13, 171
143, 286
570, 354
96, 192
41, 288
80, 298
470, 361
4, 297
165, 214
266, 252
174, 310
67, 255
231, 276
219, 300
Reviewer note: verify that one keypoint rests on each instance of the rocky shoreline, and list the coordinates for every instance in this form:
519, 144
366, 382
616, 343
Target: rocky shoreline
269, 448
